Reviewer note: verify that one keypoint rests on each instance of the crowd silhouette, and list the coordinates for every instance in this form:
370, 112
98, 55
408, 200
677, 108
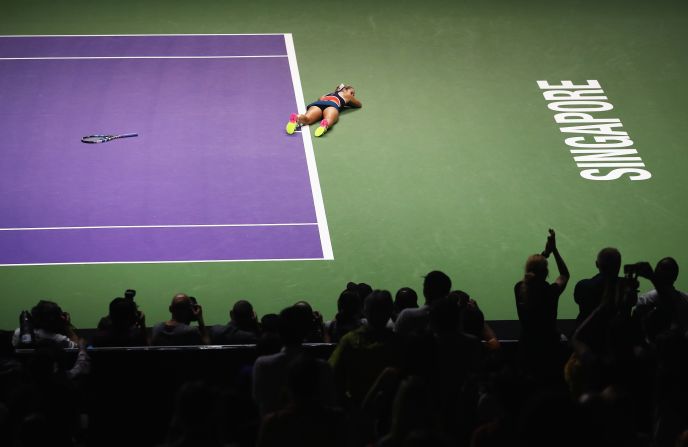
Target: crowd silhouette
392, 371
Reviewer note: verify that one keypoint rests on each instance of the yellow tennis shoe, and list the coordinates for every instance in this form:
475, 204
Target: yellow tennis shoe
322, 128
292, 124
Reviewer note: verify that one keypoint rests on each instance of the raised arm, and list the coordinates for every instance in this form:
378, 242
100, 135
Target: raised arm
551, 247
198, 314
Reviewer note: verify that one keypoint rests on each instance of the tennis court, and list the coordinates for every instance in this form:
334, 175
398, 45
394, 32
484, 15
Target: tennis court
456, 161
210, 178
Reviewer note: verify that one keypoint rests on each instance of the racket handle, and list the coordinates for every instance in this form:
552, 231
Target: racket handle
128, 135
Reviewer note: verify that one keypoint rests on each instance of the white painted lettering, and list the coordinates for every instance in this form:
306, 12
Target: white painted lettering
602, 138
544, 85
600, 141
614, 174
580, 106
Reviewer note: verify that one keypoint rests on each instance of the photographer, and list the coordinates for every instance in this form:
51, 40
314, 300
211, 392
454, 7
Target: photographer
125, 325
242, 329
608, 345
616, 304
178, 330
50, 323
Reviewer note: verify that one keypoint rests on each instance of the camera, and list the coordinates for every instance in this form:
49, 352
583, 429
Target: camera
194, 305
631, 269
643, 269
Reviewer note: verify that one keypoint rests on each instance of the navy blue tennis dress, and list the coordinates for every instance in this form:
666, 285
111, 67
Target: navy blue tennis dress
329, 100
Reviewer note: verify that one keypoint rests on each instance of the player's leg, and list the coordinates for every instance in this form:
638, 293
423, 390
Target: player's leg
330, 116
312, 115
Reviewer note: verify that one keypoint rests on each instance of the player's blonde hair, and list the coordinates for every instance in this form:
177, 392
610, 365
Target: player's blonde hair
343, 86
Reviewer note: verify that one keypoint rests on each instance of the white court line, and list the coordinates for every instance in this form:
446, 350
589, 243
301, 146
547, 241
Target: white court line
134, 35
137, 57
310, 154
299, 224
165, 262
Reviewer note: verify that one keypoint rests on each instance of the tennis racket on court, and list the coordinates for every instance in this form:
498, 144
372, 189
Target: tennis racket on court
92, 139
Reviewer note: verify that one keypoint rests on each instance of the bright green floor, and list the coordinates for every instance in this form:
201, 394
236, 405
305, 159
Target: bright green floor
454, 163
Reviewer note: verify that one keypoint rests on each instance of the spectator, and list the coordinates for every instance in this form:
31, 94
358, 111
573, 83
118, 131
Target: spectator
551, 419
106, 321
364, 353
178, 330
270, 371
507, 391
412, 412
269, 341
50, 323
362, 290
473, 320
664, 307
242, 327
435, 285
347, 319
588, 292
458, 353
453, 363
46, 403
406, 298
608, 346
126, 326
536, 305
316, 331
197, 418
671, 388
305, 421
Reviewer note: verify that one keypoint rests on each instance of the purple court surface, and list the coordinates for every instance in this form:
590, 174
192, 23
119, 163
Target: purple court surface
212, 175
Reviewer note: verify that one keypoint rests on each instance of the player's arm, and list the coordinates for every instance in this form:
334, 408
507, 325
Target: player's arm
354, 102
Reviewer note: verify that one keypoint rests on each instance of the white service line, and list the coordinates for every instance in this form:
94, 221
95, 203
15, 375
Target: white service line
298, 224
165, 262
135, 35
139, 57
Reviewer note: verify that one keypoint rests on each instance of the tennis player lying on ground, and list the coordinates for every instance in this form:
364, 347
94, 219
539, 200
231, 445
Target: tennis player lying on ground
326, 109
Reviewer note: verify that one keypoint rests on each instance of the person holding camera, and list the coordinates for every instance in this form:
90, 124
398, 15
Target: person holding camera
124, 325
243, 327
178, 330
50, 324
